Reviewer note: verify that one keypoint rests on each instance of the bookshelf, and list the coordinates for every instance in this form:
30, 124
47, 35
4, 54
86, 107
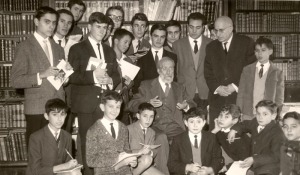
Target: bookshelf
277, 20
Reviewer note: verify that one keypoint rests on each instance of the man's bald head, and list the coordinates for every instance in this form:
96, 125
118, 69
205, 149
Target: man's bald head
223, 28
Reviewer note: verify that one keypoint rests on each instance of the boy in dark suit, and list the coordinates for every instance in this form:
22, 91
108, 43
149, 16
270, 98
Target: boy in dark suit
140, 132
49, 146
261, 80
238, 150
267, 138
77, 8
195, 151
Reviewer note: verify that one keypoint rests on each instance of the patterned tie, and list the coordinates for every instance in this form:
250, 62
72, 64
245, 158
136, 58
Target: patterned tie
225, 47
195, 47
57, 138
59, 42
156, 58
167, 90
113, 133
261, 71
196, 142
98, 44
46, 49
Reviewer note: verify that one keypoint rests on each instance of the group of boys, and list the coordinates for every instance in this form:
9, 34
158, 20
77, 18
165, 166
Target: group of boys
105, 140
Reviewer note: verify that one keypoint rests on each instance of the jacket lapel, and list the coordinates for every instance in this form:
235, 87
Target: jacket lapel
204, 144
155, 87
55, 53
40, 51
51, 141
202, 53
139, 131
187, 147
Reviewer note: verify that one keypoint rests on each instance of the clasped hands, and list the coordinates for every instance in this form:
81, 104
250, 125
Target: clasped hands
156, 102
225, 90
197, 169
102, 76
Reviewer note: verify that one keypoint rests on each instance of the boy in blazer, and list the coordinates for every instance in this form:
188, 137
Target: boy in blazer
141, 133
48, 147
261, 80
35, 60
195, 151
173, 28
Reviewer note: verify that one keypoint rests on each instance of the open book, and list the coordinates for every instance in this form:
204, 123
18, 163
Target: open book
94, 63
125, 155
62, 76
77, 167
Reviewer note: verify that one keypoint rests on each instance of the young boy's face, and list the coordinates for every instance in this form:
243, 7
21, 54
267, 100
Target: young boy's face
173, 34
56, 119
64, 24
77, 11
146, 118
45, 25
264, 116
195, 124
158, 38
111, 109
97, 31
139, 28
124, 43
262, 53
291, 129
225, 120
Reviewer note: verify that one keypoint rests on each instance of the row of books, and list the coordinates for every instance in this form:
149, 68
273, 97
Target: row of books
5, 76
16, 24
130, 7
19, 5
12, 115
7, 51
13, 147
290, 69
267, 5
208, 8
284, 46
267, 22
11, 94
159, 10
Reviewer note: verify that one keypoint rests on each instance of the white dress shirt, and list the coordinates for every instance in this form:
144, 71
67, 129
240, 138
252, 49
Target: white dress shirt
106, 123
63, 41
192, 138
159, 53
265, 68
192, 43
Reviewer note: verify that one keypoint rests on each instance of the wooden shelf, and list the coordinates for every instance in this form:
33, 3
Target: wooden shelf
268, 11
9, 100
17, 12
269, 33
13, 163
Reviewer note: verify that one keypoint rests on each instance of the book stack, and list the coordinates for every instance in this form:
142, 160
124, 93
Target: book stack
267, 5
12, 115
19, 5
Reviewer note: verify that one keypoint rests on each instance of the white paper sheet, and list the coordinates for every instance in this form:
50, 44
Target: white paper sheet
63, 75
236, 169
129, 69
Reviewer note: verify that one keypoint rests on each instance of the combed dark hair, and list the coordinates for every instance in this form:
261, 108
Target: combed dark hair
266, 41
65, 11
195, 112
294, 115
197, 16
270, 105
120, 8
111, 95
158, 27
233, 110
56, 104
120, 33
40, 12
98, 17
140, 17
173, 23
146, 106
78, 2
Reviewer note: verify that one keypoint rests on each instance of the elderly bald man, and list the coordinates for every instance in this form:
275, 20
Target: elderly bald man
225, 59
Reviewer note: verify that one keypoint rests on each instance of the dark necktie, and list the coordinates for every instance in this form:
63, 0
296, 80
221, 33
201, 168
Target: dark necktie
156, 58
144, 132
139, 45
195, 47
57, 138
261, 71
113, 133
225, 47
167, 90
99, 50
196, 142
59, 42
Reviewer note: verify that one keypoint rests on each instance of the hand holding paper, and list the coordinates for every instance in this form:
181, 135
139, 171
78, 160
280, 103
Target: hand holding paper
63, 71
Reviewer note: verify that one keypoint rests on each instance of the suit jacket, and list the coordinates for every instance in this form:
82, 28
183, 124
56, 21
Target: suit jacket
148, 67
187, 74
144, 43
265, 145
274, 87
167, 47
44, 154
150, 89
181, 153
31, 59
84, 94
221, 69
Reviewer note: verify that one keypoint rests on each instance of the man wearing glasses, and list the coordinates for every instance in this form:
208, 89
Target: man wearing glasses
225, 59
190, 51
116, 13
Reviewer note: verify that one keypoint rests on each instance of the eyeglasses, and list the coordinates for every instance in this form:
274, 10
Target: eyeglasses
116, 18
221, 30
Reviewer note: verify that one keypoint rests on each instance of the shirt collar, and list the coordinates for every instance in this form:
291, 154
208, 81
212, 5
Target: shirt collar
191, 135
93, 42
198, 40
228, 42
162, 83
267, 64
225, 130
39, 37
52, 131
159, 50
107, 121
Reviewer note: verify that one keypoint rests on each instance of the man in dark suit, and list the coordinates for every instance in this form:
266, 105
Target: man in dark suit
77, 8
86, 83
173, 28
224, 62
35, 60
148, 63
190, 52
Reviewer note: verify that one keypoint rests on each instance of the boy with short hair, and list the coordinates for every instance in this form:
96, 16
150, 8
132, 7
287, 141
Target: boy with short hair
266, 136
289, 152
77, 8
173, 34
140, 132
107, 139
240, 148
48, 147
261, 80
195, 151
64, 24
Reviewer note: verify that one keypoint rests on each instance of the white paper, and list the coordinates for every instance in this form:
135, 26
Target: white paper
75, 37
129, 69
63, 75
67, 47
94, 63
236, 169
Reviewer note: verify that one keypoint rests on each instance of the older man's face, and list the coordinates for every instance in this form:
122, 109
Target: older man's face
223, 31
166, 71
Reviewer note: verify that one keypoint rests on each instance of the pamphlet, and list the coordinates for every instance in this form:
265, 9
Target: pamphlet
62, 76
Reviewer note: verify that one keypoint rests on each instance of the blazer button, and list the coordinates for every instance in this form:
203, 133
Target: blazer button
98, 96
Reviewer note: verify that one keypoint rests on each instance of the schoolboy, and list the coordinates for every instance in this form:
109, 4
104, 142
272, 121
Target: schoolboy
289, 156
195, 150
261, 80
64, 24
48, 147
77, 8
107, 139
173, 34
266, 139
116, 13
240, 148
139, 25
140, 132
